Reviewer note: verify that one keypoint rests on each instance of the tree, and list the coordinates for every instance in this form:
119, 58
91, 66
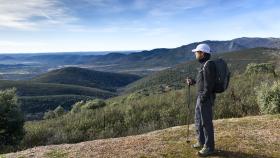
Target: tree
11, 119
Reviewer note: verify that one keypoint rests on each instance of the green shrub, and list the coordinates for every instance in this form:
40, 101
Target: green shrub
77, 107
11, 119
37, 133
33, 105
254, 68
240, 98
49, 115
59, 111
93, 104
268, 97
133, 96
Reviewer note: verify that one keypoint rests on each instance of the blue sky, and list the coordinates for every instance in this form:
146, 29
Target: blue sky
106, 25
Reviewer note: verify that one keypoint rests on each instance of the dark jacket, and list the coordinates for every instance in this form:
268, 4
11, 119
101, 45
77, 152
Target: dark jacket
205, 80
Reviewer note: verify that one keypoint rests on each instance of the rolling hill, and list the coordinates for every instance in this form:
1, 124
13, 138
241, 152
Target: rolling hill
65, 87
87, 78
36, 98
238, 137
28, 88
237, 61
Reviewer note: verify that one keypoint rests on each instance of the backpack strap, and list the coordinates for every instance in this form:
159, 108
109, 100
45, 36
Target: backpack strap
205, 64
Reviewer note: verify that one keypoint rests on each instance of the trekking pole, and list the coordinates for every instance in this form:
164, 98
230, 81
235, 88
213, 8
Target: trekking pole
188, 113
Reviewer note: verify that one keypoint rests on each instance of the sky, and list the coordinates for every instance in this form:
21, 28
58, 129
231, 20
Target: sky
33, 26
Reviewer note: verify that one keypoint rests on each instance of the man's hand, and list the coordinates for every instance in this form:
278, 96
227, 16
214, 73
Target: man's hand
190, 81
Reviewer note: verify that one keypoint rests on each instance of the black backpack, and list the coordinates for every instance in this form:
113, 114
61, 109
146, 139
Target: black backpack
223, 75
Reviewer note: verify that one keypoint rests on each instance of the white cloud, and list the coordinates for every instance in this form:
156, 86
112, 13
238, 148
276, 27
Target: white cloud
32, 14
165, 8
143, 30
104, 6
38, 14
150, 7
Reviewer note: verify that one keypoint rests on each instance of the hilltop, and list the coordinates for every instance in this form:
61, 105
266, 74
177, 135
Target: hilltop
86, 77
253, 136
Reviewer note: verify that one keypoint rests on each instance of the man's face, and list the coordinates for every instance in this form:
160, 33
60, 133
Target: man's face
199, 55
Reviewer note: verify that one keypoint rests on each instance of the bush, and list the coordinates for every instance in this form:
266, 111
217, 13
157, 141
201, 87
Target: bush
59, 111
254, 68
11, 119
93, 104
77, 107
268, 97
49, 115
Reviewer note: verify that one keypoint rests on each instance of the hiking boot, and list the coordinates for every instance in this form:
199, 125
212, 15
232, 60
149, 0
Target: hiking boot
205, 151
197, 146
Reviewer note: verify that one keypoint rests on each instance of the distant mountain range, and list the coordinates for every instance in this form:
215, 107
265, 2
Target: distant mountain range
170, 57
167, 57
142, 62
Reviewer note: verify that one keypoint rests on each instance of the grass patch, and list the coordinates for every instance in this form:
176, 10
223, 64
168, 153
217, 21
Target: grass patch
56, 154
250, 137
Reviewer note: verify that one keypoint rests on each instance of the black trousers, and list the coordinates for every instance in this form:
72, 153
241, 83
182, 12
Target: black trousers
204, 123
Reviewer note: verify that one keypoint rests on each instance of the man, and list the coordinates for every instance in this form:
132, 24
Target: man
205, 82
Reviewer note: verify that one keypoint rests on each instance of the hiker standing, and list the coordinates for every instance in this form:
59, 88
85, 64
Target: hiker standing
205, 82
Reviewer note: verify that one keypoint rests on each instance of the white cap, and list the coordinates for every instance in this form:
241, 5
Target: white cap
202, 47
